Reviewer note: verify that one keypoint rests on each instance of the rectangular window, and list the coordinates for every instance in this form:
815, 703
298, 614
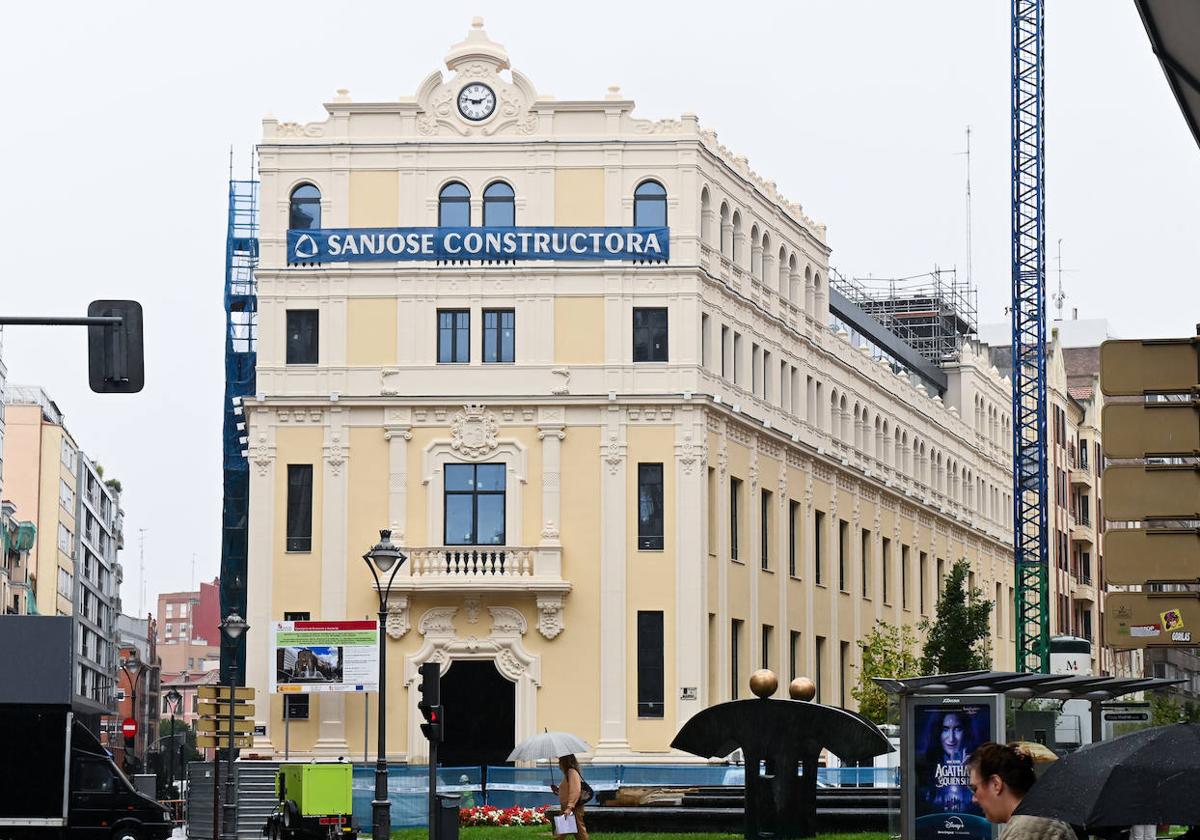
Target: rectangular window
650, 690
726, 350
302, 330
737, 359
767, 366
767, 632
650, 334
650, 507
941, 575
295, 706
765, 530
865, 563
844, 673
64, 538
843, 551
885, 570
735, 496
735, 641
793, 654
903, 577
66, 496
922, 581
818, 546
998, 609
819, 667
299, 507
793, 538
474, 504
705, 342
755, 369
64, 582
454, 336
499, 335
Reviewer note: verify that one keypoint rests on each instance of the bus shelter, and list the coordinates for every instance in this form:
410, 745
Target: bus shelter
945, 716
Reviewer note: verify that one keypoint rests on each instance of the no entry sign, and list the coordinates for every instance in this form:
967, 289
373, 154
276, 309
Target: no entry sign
129, 727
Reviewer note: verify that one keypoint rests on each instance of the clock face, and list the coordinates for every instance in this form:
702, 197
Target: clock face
476, 101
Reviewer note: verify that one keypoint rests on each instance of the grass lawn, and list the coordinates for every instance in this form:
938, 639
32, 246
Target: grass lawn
529, 832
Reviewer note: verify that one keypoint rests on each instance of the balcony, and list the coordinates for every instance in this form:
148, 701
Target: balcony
1083, 532
470, 570
1082, 477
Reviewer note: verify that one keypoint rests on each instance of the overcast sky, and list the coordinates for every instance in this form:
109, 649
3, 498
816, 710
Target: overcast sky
857, 109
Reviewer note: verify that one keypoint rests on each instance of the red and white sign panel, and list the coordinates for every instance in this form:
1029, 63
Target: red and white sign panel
129, 727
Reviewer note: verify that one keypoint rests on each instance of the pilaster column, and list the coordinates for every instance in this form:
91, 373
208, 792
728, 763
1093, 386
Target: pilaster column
259, 565
331, 708
614, 739
397, 431
691, 559
551, 432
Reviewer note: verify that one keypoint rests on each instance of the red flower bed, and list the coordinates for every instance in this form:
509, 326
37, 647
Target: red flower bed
491, 815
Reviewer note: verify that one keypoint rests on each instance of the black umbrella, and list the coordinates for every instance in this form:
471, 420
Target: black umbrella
1144, 778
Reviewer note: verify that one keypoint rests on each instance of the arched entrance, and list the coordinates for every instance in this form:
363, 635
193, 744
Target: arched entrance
479, 706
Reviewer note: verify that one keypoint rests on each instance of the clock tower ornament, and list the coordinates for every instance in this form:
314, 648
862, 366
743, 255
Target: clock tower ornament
476, 101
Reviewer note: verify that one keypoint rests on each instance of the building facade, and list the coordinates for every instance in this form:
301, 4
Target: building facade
17, 538
188, 636
138, 693
98, 574
621, 487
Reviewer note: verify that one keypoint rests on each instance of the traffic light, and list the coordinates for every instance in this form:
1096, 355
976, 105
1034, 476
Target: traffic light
1151, 426
115, 359
430, 703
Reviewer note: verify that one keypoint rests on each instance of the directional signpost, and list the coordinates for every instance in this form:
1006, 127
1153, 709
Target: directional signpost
1151, 432
224, 725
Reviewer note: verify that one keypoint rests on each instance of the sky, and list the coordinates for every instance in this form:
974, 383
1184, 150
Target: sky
858, 110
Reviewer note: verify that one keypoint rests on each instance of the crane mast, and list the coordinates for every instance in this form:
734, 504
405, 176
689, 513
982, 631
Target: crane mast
1030, 546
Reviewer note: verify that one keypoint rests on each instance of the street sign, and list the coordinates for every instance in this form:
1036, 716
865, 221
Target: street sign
221, 692
1134, 368
1137, 491
221, 726
1139, 717
222, 709
1138, 555
1138, 429
222, 741
1152, 619
129, 727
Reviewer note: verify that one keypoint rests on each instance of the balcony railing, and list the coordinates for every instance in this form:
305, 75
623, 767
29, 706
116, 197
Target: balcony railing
474, 561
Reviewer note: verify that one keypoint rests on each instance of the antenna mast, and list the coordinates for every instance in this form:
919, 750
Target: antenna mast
141, 571
968, 205
1059, 296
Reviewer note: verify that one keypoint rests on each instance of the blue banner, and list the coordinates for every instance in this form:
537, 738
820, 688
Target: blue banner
492, 243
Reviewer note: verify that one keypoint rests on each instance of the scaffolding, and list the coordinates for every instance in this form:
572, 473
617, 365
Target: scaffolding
933, 313
241, 339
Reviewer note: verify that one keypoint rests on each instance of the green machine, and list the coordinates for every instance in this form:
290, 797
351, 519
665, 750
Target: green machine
314, 803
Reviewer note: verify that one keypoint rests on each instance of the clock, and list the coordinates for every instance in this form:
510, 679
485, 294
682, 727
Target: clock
476, 101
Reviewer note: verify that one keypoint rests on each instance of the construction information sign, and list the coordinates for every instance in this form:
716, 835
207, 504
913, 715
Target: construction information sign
316, 656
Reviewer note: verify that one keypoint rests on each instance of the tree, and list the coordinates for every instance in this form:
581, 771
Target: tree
959, 639
887, 651
1167, 709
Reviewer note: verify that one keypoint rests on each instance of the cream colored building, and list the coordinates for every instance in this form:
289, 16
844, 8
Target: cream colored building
854, 489
41, 464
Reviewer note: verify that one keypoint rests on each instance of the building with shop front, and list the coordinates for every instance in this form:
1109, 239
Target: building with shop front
621, 485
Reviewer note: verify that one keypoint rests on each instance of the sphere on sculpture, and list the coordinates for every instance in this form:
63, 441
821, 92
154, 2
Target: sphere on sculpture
763, 682
802, 688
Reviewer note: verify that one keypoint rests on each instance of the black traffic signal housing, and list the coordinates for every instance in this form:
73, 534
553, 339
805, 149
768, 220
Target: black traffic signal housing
430, 703
115, 359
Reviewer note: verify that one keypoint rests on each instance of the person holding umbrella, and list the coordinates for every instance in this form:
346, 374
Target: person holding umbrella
1000, 776
571, 793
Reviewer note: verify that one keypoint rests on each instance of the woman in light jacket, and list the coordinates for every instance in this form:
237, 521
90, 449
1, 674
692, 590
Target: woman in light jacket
569, 791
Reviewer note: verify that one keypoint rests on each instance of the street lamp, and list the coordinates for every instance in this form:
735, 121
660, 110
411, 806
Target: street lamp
233, 626
383, 557
174, 704
132, 661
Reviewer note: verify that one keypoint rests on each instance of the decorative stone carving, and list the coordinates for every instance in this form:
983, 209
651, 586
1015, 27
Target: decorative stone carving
550, 615
438, 621
335, 455
471, 605
723, 458
690, 454
473, 432
508, 664
293, 129
550, 531
613, 453
264, 455
397, 616
507, 620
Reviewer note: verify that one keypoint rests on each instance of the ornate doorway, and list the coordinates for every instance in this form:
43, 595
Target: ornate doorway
479, 705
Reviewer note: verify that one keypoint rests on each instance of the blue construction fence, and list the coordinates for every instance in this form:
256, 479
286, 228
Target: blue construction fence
408, 785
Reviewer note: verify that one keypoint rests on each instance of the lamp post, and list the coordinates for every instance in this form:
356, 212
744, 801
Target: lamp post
383, 557
233, 626
174, 703
132, 662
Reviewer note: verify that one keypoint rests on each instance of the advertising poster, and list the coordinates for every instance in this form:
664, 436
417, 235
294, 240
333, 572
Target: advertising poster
317, 656
945, 735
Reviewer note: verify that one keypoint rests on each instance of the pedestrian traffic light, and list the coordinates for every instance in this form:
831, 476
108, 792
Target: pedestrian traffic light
430, 703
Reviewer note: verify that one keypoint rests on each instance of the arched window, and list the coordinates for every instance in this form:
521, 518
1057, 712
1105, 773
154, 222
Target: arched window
756, 264
736, 253
650, 205
499, 205
304, 208
726, 232
706, 218
454, 206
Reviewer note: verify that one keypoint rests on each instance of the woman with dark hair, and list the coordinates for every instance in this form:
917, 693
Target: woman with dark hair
1001, 775
949, 740
571, 793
